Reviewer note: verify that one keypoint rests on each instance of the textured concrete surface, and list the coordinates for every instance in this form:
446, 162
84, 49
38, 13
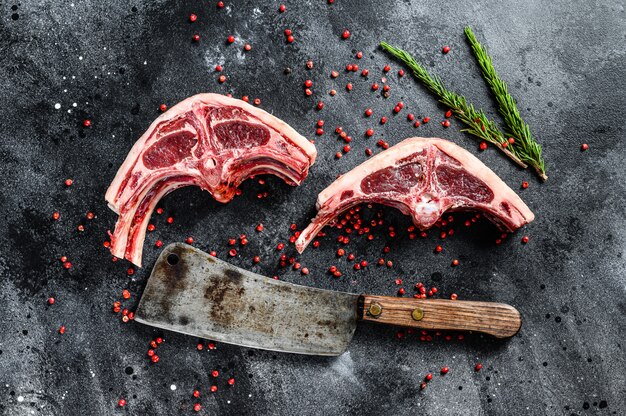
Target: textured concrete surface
115, 62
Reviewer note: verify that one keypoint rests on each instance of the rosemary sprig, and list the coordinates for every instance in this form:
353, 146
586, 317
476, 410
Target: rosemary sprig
526, 148
476, 121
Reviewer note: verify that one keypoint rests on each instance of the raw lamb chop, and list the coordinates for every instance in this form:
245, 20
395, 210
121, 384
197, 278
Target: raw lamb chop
208, 140
422, 177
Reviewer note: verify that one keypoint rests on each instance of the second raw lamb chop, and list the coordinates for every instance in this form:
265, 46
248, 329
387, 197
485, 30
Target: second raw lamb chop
422, 177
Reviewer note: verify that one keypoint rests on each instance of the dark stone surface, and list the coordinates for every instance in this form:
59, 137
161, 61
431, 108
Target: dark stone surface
118, 61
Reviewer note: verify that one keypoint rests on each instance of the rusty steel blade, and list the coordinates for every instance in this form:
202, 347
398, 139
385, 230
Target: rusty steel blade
194, 293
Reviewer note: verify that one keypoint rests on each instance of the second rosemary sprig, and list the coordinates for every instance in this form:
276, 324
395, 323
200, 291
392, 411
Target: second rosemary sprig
525, 145
476, 121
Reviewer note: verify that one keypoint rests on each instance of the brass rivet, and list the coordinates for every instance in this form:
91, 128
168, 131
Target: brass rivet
375, 309
417, 314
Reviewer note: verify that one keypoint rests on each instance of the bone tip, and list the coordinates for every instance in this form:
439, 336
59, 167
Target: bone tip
300, 245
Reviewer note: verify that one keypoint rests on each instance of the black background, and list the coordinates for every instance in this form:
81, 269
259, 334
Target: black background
118, 61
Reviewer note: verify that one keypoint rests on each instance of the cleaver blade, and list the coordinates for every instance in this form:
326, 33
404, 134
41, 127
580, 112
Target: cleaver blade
194, 293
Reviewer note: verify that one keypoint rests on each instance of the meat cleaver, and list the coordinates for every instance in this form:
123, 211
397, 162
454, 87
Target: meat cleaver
194, 293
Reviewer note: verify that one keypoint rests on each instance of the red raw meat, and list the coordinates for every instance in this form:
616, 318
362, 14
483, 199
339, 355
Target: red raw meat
208, 140
422, 177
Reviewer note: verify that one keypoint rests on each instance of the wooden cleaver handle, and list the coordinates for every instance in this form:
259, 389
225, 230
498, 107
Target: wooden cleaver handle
497, 319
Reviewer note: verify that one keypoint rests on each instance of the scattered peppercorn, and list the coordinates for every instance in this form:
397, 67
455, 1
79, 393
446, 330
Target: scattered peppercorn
282, 8
445, 49
584, 147
345, 34
230, 39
